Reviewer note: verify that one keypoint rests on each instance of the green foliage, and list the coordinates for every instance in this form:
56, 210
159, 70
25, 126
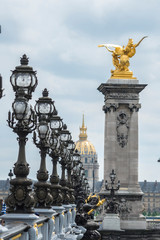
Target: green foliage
144, 213
151, 214
155, 214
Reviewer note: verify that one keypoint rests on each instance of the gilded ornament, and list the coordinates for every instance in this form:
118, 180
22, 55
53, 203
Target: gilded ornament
121, 57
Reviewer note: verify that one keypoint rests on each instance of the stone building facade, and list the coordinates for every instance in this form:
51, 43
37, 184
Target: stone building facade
151, 197
88, 156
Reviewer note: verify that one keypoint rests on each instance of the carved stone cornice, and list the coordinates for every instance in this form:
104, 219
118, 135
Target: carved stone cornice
107, 88
119, 95
110, 106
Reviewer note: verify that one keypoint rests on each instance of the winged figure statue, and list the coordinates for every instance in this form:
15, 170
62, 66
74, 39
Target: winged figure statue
121, 57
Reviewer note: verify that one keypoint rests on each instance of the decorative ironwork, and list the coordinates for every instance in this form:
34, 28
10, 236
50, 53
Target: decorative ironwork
55, 147
71, 147
44, 108
112, 206
22, 121
23, 77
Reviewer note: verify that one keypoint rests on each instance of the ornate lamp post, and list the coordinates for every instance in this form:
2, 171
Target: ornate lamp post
44, 108
77, 177
71, 147
76, 168
56, 126
65, 136
111, 205
112, 188
22, 121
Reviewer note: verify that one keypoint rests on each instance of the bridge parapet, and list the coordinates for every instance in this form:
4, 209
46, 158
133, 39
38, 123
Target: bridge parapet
60, 225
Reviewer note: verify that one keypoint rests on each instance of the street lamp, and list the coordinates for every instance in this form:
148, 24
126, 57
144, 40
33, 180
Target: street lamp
112, 188
65, 136
22, 121
55, 145
71, 147
44, 108
55, 122
78, 178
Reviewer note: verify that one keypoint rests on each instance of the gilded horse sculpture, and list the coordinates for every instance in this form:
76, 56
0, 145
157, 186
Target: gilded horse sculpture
121, 56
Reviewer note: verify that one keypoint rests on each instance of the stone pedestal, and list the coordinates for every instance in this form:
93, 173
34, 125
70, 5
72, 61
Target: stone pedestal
45, 211
59, 221
111, 222
121, 140
136, 224
130, 234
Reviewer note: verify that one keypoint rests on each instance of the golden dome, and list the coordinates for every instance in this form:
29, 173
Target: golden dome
83, 145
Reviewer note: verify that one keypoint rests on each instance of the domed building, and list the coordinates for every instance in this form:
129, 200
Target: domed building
88, 156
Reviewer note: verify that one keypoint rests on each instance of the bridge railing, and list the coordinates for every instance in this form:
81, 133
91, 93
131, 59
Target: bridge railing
59, 225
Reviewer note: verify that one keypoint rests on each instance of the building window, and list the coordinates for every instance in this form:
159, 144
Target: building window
92, 160
86, 173
85, 160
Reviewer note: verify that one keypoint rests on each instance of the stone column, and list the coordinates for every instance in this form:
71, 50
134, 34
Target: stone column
121, 137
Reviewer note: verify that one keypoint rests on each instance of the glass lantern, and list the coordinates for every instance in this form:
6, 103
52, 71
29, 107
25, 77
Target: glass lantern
55, 122
76, 156
43, 130
23, 77
82, 171
71, 145
44, 105
112, 175
65, 135
21, 108
53, 141
80, 164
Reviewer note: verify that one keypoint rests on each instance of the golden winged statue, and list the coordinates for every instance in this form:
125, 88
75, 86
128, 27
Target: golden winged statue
120, 58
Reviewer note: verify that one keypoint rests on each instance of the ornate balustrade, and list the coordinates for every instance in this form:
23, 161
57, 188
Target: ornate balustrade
58, 226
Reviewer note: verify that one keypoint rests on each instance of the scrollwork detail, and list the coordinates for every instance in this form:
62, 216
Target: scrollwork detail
134, 107
110, 106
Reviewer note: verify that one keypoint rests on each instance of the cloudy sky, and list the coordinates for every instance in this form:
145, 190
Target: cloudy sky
60, 37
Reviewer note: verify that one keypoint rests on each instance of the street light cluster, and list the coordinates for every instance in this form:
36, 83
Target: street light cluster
51, 136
